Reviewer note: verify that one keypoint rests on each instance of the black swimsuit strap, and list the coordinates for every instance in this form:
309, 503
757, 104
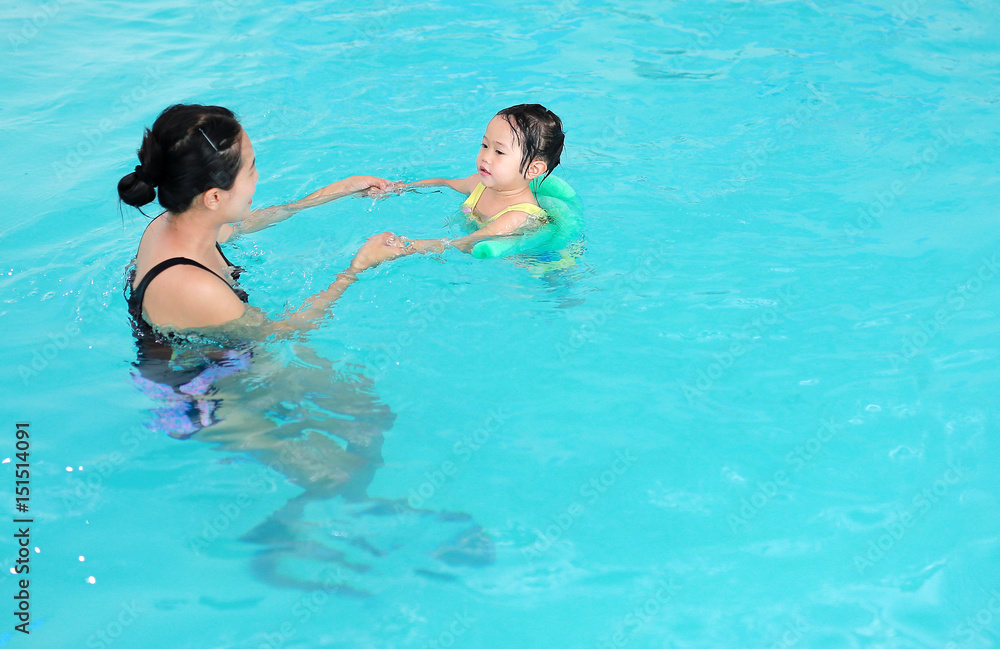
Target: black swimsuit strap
224, 258
135, 303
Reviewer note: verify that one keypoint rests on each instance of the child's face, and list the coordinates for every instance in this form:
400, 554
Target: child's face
499, 159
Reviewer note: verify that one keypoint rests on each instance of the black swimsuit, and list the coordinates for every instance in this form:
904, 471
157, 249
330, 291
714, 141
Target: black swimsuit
176, 374
139, 293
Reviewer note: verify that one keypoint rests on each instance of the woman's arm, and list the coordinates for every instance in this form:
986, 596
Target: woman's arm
376, 249
268, 216
186, 298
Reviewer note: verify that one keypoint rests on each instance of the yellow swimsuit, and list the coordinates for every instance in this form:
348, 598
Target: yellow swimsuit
469, 207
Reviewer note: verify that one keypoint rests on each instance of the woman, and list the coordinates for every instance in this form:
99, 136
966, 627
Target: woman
200, 163
192, 323
202, 355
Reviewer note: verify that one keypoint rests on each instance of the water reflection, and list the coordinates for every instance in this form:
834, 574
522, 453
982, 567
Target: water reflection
320, 427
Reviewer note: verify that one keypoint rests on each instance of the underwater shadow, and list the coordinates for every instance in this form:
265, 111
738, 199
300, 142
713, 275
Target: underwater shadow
321, 428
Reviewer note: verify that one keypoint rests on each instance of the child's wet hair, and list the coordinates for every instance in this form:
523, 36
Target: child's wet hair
539, 131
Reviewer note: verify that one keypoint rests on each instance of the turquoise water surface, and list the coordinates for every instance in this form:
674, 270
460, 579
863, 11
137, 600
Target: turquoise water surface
761, 411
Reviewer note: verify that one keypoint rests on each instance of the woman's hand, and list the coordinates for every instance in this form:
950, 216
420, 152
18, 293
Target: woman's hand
379, 248
371, 185
394, 188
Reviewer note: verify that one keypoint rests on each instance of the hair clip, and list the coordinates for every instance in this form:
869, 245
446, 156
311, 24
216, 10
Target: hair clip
209, 141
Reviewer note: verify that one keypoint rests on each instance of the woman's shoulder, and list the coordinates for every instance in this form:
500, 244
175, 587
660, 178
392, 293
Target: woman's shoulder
189, 296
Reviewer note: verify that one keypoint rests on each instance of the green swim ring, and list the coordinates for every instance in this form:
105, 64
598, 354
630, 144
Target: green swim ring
565, 224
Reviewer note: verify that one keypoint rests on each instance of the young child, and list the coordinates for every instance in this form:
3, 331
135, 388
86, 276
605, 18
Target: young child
521, 143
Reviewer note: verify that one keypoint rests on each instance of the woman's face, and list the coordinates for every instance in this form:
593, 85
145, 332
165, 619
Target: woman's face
241, 193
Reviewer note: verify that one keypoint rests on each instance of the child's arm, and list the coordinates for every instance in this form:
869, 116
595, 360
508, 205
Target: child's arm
463, 185
507, 224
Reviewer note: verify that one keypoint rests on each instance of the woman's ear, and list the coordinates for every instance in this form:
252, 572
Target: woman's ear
211, 198
536, 169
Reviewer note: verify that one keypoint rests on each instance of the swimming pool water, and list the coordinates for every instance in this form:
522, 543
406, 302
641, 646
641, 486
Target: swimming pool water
761, 411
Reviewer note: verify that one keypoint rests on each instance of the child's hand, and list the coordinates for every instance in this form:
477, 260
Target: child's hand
424, 245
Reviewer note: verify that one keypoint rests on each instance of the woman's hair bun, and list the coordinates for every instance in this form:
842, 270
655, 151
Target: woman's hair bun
134, 190
138, 188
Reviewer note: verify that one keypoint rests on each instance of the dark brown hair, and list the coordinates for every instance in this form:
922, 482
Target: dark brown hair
539, 132
189, 150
